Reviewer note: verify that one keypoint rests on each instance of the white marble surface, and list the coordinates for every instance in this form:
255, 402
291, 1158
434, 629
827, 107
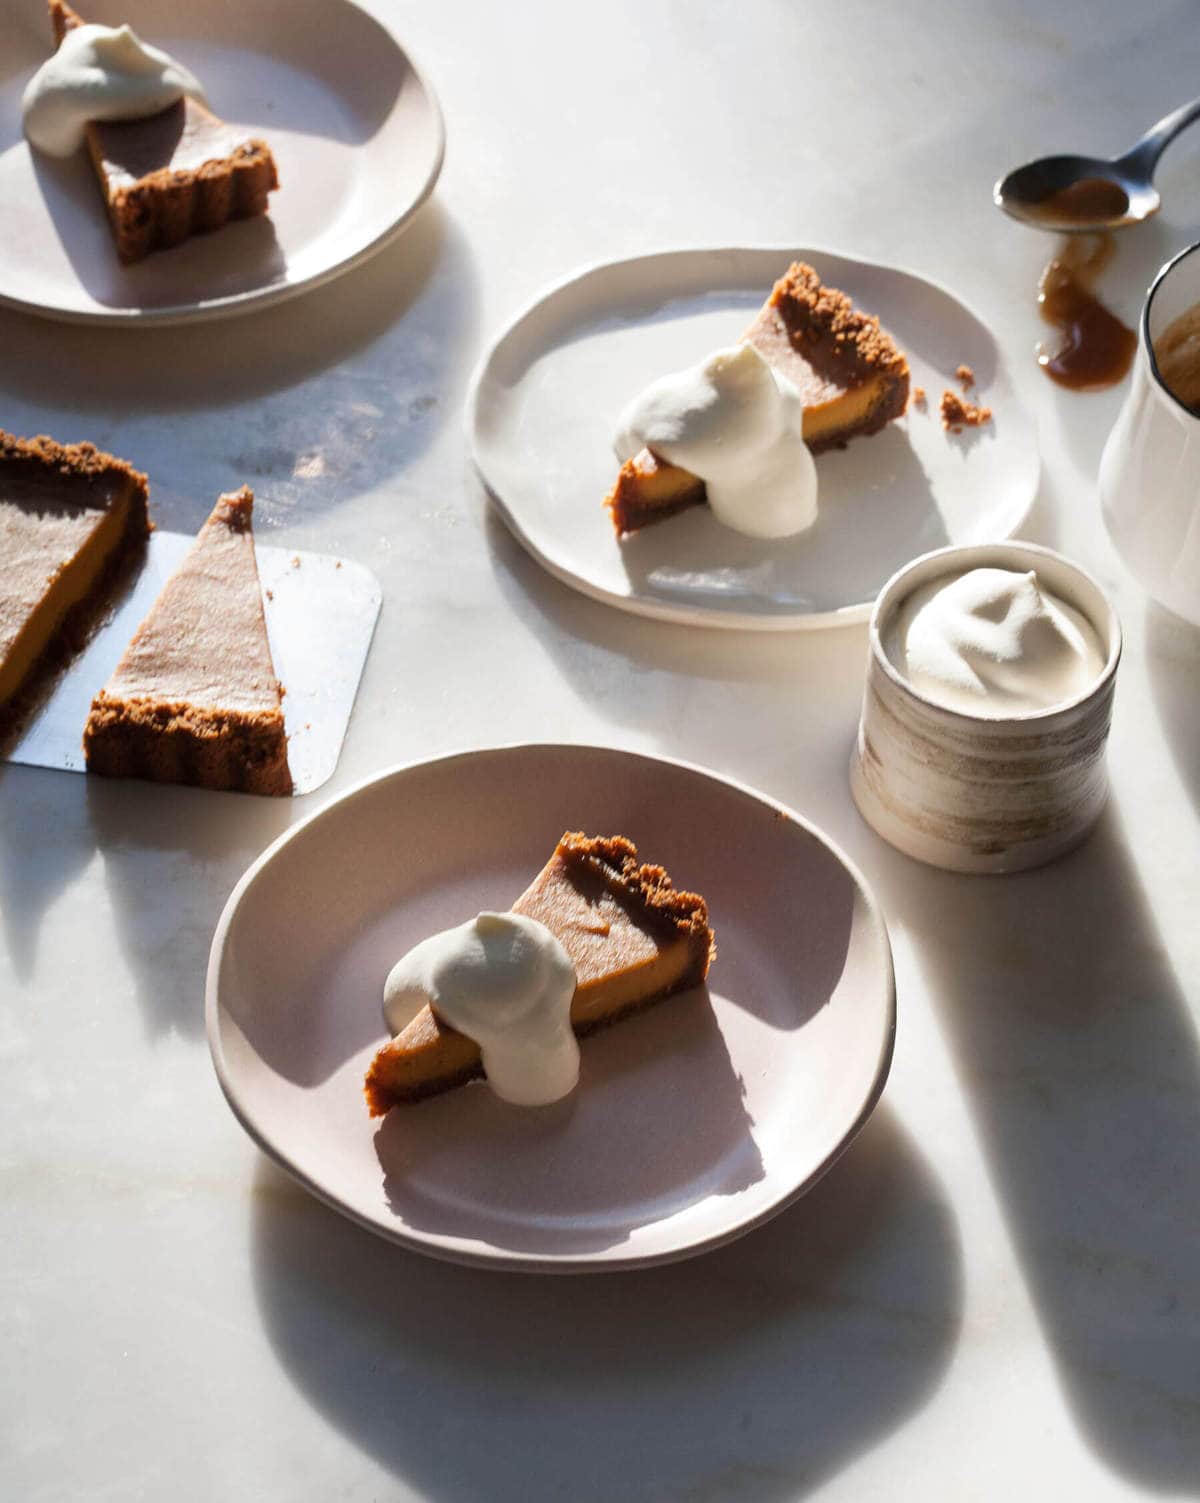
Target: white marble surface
996, 1294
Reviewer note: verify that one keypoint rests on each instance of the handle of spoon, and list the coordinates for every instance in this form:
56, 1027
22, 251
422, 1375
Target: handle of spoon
1142, 158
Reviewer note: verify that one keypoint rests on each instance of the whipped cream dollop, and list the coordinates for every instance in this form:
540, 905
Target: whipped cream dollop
993, 642
735, 423
505, 981
100, 73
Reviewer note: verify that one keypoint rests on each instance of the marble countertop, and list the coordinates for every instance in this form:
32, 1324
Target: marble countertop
996, 1293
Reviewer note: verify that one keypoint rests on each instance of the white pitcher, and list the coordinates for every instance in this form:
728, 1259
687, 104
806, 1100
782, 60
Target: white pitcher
1150, 468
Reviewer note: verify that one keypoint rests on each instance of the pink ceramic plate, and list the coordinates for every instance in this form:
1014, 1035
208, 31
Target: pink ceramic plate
692, 1123
355, 130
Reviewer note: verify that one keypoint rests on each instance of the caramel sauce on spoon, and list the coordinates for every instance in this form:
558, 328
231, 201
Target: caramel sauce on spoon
1097, 349
1090, 200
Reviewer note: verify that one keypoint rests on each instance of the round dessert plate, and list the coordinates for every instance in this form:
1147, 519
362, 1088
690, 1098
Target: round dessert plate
693, 1122
548, 393
355, 130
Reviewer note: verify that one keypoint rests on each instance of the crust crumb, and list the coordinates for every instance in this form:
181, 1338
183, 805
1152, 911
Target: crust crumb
918, 397
619, 857
957, 414
965, 377
811, 310
69, 459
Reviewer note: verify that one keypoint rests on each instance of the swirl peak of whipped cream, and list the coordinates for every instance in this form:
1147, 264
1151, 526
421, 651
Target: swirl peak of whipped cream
738, 426
100, 73
993, 642
505, 981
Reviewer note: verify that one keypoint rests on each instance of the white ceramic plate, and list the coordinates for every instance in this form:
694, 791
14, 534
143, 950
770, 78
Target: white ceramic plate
547, 395
693, 1122
355, 130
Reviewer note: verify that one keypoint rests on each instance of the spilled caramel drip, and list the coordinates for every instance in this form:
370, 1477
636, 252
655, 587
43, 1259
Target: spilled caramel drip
1097, 348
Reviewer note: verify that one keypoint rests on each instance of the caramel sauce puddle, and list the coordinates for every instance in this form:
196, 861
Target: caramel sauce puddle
1097, 349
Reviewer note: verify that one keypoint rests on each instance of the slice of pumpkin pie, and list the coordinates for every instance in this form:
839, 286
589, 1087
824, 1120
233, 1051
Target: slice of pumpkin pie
180, 172
851, 377
632, 936
195, 698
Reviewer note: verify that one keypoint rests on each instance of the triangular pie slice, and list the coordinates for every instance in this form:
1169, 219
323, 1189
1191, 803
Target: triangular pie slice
851, 377
632, 936
181, 172
72, 522
195, 698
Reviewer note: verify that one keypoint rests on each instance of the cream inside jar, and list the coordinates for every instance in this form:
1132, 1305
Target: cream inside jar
993, 642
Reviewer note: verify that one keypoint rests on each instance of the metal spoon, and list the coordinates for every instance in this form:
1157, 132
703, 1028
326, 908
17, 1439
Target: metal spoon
1078, 194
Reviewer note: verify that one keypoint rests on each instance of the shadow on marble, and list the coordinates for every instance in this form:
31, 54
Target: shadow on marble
451, 1157
312, 402
558, 613
643, 675
171, 857
761, 1368
1173, 665
46, 841
1079, 1058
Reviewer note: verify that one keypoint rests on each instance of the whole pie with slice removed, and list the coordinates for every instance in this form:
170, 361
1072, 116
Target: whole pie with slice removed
72, 524
180, 172
851, 377
195, 699
631, 935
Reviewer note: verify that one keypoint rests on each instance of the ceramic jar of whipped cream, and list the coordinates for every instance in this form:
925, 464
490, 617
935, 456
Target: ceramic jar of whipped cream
1150, 469
989, 689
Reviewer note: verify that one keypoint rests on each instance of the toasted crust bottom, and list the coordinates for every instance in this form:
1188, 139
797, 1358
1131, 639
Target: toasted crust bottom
166, 207
179, 743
